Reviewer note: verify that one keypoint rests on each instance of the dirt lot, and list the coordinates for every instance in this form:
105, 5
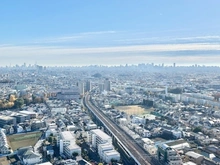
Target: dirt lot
24, 139
134, 110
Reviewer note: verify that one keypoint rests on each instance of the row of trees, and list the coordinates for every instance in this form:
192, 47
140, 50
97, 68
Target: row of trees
14, 102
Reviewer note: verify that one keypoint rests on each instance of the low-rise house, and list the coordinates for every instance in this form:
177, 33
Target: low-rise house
146, 133
28, 156
72, 128
177, 134
37, 124
194, 157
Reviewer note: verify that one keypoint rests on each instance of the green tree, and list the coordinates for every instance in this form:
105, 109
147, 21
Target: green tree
50, 139
197, 129
74, 154
27, 101
19, 103
1, 105
113, 161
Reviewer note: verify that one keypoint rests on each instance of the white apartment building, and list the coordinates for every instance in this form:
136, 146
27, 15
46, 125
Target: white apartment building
67, 143
149, 146
51, 131
138, 120
168, 155
4, 146
91, 126
109, 155
31, 158
97, 136
102, 148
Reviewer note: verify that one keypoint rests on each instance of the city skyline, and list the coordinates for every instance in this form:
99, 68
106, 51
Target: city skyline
109, 33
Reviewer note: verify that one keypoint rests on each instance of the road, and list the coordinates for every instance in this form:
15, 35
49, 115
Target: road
136, 152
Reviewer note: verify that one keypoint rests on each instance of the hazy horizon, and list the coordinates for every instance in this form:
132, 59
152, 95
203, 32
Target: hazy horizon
109, 33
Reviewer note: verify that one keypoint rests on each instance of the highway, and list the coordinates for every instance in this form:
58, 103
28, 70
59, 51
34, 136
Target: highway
136, 152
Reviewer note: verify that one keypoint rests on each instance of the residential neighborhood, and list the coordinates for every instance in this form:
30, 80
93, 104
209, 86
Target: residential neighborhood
172, 116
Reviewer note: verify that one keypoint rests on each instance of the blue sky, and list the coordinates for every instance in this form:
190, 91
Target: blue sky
84, 32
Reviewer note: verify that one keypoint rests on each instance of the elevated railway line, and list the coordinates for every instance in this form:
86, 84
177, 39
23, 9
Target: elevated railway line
140, 156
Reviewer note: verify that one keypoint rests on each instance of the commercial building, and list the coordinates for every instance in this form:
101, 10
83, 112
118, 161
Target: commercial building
88, 86
81, 88
20, 117
101, 87
69, 94
107, 85
7, 120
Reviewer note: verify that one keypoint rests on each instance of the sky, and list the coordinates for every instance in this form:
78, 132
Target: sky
113, 32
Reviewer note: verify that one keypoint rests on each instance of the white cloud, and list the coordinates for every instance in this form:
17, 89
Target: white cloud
108, 55
74, 37
195, 39
29, 50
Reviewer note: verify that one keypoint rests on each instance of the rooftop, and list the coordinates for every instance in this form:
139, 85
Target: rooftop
193, 154
3, 117
46, 163
67, 135
176, 142
105, 145
111, 152
73, 146
27, 112
101, 134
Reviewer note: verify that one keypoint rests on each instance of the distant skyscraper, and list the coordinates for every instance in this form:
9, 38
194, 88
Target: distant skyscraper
174, 64
166, 91
107, 85
88, 86
101, 88
81, 88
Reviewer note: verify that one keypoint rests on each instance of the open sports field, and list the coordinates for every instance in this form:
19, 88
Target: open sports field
25, 139
134, 109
